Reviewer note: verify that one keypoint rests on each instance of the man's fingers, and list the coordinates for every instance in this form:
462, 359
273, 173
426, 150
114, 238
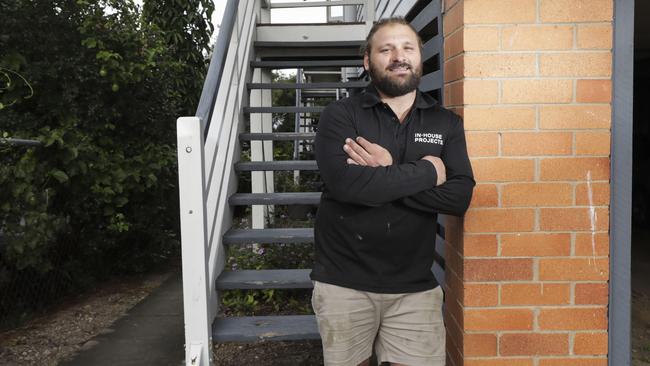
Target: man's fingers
367, 145
359, 150
352, 162
354, 155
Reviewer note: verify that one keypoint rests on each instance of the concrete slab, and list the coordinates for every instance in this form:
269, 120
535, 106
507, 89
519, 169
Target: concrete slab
149, 334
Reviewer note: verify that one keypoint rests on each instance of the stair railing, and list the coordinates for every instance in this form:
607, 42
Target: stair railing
207, 149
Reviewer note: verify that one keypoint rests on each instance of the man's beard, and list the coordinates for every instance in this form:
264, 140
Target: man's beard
393, 87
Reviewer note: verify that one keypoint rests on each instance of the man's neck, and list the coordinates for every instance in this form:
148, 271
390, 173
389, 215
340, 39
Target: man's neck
400, 105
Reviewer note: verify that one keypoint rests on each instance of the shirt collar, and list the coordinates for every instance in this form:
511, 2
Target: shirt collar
370, 98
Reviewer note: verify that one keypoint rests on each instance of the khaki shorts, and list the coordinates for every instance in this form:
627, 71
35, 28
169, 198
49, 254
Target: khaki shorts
404, 328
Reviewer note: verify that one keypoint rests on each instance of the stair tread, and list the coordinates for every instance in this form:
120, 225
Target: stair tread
276, 165
318, 85
277, 136
310, 44
282, 235
256, 328
263, 279
283, 109
307, 63
278, 198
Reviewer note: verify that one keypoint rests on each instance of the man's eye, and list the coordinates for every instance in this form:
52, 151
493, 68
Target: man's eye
384, 50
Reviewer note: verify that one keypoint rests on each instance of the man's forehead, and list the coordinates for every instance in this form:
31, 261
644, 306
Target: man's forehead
394, 33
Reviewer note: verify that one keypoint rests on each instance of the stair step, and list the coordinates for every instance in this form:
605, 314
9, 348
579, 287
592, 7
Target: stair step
288, 198
277, 136
307, 44
263, 279
283, 109
322, 85
294, 64
257, 328
284, 235
276, 165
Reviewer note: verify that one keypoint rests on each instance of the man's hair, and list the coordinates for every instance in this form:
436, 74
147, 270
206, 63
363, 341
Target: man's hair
365, 49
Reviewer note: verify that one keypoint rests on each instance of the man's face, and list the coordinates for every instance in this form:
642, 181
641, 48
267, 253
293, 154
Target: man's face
394, 63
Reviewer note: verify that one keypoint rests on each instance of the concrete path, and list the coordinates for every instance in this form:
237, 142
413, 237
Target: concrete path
149, 334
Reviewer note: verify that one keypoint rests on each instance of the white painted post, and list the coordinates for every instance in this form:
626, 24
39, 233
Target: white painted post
370, 14
198, 334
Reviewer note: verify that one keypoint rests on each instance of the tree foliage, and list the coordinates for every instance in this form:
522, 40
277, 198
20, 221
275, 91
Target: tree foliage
108, 84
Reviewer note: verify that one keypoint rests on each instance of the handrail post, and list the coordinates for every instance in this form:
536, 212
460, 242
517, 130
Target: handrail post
198, 332
370, 14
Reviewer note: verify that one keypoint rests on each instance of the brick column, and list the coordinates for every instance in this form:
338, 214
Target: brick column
527, 270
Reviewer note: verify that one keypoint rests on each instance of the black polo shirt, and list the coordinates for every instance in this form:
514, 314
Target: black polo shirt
375, 227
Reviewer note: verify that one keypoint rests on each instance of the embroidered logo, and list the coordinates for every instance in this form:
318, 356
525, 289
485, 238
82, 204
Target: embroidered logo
429, 138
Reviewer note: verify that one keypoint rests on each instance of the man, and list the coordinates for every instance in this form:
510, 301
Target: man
391, 160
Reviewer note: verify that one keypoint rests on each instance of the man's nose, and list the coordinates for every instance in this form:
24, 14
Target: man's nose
398, 55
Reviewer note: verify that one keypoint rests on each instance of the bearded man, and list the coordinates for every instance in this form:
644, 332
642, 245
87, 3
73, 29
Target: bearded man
391, 159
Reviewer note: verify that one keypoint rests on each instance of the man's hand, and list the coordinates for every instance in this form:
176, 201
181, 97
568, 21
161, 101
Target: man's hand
364, 152
440, 168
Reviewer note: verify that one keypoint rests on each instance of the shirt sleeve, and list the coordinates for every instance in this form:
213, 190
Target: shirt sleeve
363, 185
452, 197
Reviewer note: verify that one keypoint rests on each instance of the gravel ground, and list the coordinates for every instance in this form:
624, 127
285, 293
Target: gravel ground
55, 336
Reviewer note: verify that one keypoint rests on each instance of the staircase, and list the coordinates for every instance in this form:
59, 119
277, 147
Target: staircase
236, 110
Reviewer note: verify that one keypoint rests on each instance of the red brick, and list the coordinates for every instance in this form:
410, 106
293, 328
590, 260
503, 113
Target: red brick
503, 170
454, 94
498, 269
537, 91
500, 65
498, 319
502, 11
481, 38
453, 45
575, 117
574, 169
576, 64
535, 245
576, 218
499, 118
593, 143
575, 11
499, 362
453, 19
485, 195
572, 318
599, 194
499, 220
480, 295
480, 245
594, 91
533, 344
592, 36
588, 244
454, 68
536, 143
478, 92
479, 344
573, 269
590, 344
536, 194
573, 362
482, 143
535, 294
592, 293
537, 37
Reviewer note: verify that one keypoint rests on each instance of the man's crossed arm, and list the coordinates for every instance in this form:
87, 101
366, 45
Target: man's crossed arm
365, 153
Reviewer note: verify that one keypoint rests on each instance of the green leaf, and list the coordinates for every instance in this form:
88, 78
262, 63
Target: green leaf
59, 175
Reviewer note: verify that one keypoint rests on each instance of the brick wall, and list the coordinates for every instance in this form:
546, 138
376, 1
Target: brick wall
527, 270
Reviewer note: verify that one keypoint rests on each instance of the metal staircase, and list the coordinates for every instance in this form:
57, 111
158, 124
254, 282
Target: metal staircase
235, 111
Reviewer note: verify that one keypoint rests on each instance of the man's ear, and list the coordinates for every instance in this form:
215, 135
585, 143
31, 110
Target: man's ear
366, 62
